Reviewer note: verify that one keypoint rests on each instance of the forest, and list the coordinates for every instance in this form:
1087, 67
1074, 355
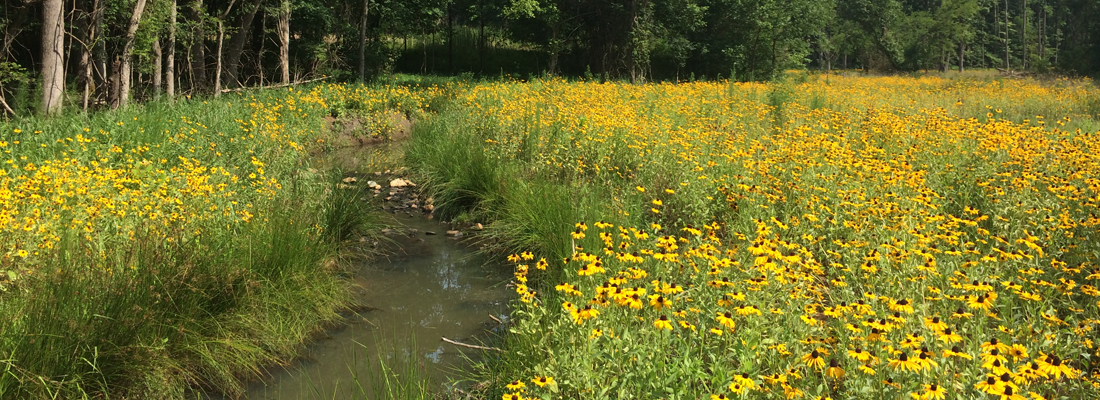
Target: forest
89, 54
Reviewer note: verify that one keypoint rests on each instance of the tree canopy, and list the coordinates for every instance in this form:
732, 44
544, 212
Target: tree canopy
171, 47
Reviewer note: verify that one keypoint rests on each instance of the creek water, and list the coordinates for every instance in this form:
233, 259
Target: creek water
430, 287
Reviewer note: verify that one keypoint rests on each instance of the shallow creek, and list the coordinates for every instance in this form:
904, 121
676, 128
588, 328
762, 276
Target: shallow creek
430, 287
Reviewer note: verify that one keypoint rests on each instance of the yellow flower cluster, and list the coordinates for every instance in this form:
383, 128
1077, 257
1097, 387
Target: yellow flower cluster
159, 176
921, 237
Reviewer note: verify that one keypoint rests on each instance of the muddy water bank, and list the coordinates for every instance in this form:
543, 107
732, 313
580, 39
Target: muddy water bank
430, 286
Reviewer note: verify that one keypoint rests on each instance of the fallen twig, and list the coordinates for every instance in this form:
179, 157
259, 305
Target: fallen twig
495, 319
470, 345
275, 86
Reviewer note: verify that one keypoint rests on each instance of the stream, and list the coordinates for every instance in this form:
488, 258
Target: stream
431, 286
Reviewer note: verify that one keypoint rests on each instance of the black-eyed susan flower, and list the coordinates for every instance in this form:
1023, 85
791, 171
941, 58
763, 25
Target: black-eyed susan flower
904, 363
515, 386
1055, 367
814, 360
542, 381
662, 322
834, 370
989, 385
1008, 393
902, 305
933, 392
935, 323
726, 320
955, 352
949, 336
744, 381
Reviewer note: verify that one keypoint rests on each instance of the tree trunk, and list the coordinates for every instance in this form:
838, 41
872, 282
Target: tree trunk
158, 57
198, 48
554, 50
87, 61
125, 69
1023, 35
962, 55
236, 45
284, 40
218, 64
53, 70
221, 41
114, 86
1008, 53
170, 67
363, 42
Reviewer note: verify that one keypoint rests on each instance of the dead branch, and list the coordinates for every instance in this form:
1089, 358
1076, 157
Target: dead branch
281, 85
470, 345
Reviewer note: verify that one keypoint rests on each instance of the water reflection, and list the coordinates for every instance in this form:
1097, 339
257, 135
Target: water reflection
433, 288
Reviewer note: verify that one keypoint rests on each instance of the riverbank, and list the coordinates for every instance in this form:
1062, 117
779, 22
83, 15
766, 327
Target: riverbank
176, 246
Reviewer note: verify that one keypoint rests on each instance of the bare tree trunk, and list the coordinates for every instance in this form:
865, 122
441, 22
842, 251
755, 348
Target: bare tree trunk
99, 55
552, 68
284, 40
236, 45
87, 61
632, 57
218, 64
363, 42
221, 41
114, 86
1023, 35
260, 52
1008, 53
962, 55
126, 63
53, 69
198, 49
170, 68
158, 56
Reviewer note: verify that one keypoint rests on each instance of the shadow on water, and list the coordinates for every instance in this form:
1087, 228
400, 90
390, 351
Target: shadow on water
432, 287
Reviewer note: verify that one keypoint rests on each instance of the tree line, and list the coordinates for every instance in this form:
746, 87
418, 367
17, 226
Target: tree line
87, 54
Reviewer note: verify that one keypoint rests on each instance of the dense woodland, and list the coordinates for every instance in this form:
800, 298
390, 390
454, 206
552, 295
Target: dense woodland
88, 54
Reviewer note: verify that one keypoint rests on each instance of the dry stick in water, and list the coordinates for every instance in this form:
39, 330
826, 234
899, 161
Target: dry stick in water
470, 345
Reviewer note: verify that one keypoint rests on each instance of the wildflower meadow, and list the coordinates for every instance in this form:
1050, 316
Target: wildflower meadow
816, 237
